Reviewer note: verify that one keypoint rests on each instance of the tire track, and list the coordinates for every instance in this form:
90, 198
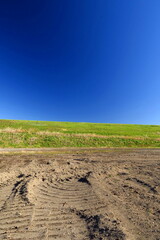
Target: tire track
56, 212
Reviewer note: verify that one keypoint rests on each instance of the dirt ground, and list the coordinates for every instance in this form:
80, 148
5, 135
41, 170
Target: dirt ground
98, 194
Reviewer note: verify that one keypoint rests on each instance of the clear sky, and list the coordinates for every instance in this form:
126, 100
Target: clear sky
80, 60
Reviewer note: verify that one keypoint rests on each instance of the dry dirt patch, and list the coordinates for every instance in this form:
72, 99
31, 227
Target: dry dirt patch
112, 195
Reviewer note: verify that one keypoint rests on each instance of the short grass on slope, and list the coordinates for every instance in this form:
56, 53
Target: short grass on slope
17, 133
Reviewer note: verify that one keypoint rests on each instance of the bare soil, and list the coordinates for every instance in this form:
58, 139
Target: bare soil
110, 194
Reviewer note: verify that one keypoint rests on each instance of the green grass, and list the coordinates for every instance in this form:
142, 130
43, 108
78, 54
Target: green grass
14, 133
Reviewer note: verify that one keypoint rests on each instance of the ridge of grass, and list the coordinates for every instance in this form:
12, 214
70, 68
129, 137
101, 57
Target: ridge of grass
28, 134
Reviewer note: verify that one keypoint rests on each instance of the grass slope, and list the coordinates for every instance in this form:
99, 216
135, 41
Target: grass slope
17, 133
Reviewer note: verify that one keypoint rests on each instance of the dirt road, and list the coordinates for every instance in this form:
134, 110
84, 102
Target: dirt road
80, 195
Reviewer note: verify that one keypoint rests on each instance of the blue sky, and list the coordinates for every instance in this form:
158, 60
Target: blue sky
80, 60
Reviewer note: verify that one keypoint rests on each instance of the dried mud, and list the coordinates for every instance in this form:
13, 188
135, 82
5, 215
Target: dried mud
112, 195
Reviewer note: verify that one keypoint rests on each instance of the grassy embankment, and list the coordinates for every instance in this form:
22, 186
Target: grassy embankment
15, 133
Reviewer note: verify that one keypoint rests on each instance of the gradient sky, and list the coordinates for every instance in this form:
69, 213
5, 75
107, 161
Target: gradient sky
80, 60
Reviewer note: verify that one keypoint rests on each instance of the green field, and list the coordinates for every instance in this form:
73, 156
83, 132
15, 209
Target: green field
17, 133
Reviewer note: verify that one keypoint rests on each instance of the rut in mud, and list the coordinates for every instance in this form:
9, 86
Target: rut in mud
113, 196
